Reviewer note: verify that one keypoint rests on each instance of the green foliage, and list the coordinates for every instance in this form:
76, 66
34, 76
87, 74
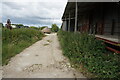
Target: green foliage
85, 49
14, 41
34, 27
0, 44
54, 28
42, 27
1, 25
19, 25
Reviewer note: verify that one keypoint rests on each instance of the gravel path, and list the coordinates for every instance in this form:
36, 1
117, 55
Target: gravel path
43, 59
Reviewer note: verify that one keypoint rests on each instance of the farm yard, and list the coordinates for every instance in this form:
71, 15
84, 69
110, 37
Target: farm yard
42, 59
85, 45
84, 56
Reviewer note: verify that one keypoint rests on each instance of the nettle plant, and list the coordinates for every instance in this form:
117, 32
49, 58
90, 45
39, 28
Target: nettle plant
84, 48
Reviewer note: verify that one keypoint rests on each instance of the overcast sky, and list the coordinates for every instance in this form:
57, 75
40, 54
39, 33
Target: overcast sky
37, 13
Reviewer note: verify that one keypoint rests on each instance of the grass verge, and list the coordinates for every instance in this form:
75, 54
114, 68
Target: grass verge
16, 40
85, 52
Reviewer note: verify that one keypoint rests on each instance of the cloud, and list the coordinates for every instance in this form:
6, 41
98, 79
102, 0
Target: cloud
35, 0
0, 11
30, 12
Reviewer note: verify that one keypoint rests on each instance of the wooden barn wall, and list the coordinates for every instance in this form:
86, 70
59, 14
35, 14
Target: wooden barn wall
97, 21
110, 20
72, 24
79, 25
83, 23
67, 22
102, 20
65, 25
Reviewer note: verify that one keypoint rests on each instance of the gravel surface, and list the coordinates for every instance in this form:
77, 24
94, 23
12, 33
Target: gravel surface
43, 59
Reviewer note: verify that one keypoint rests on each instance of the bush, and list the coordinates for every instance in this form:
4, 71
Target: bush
15, 40
54, 28
41, 28
33, 27
85, 49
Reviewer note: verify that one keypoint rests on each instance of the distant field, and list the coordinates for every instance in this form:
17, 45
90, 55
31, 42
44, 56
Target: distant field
16, 40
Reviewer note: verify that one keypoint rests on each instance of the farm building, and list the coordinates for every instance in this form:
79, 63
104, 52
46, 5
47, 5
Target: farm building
46, 30
18, 26
13, 26
99, 18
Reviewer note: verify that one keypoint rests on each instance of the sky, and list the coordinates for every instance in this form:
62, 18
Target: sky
33, 12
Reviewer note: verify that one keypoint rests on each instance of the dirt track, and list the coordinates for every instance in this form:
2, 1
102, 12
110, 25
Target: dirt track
43, 59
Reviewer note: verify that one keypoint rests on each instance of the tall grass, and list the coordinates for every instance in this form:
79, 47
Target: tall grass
91, 53
14, 41
0, 44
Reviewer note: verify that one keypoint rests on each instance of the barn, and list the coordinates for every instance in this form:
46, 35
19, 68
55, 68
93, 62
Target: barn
99, 18
46, 30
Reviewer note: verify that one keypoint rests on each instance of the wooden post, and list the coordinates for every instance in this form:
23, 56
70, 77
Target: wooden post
69, 22
76, 10
65, 24
113, 25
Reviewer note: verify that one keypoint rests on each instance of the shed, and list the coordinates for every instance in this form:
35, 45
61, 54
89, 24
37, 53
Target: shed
99, 18
46, 30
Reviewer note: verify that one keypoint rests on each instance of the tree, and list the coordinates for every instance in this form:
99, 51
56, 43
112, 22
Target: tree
1, 25
33, 27
54, 28
19, 25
